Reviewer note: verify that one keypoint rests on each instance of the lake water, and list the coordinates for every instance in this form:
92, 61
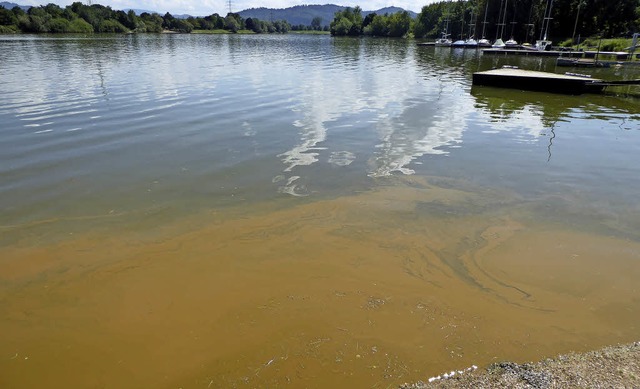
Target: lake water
206, 211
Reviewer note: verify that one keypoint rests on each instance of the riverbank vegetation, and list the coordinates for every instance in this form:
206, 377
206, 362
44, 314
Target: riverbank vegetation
612, 44
521, 20
81, 18
350, 22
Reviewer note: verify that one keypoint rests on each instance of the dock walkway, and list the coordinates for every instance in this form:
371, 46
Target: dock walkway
618, 55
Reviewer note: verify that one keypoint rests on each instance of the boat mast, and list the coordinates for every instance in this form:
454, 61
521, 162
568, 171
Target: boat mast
530, 26
575, 26
544, 32
472, 24
513, 22
500, 29
484, 24
445, 33
504, 18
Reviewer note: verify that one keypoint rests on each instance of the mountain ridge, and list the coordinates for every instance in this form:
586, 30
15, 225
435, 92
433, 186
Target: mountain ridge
304, 14
295, 15
9, 5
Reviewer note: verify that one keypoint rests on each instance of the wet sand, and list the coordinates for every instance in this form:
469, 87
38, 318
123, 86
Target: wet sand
372, 290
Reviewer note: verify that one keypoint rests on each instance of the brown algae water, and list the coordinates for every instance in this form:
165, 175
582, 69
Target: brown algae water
374, 289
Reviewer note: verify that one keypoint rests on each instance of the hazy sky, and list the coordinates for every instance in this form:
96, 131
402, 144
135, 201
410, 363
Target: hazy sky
208, 7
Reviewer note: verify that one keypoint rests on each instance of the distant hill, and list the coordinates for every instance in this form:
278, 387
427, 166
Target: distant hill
138, 11
141, 11
8, 5
390, 10
304, 14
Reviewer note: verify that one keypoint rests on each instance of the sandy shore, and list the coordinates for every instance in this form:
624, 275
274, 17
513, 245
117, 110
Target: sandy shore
610, 367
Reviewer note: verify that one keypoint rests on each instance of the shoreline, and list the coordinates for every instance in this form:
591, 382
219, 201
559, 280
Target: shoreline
613, 366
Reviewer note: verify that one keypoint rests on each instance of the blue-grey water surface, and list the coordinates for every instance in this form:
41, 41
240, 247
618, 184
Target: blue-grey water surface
93, 125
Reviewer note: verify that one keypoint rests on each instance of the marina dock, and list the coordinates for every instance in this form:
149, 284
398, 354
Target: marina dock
616, 55
533, 53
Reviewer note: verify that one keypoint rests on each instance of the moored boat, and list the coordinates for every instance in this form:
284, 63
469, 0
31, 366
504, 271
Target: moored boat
542, 45
443, 42
511, 44
471, 42
484, 43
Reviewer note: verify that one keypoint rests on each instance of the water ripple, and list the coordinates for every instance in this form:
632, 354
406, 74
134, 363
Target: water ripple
104, 118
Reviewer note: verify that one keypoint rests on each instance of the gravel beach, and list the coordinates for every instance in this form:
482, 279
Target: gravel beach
610, 367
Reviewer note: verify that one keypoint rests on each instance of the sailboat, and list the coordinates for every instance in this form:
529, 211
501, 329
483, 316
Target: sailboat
484, 42
444, 39
460, 42
499, 43
543, 43
512, 43
471, 41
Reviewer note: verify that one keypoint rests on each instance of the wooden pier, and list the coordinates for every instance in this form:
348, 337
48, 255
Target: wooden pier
616, 55
538, 81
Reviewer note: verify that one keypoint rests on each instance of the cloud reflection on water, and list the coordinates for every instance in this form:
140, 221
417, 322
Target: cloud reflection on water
409, 116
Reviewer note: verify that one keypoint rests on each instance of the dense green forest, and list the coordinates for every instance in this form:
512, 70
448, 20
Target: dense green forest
349, 22
523, 19
81, 18
518, 19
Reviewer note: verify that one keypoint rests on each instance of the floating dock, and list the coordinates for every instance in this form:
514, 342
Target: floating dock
573, 84
538, 81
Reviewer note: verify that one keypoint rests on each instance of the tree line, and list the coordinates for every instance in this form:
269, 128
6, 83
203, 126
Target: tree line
81, 18
492, 19
316, 25
523, 19
349, 22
